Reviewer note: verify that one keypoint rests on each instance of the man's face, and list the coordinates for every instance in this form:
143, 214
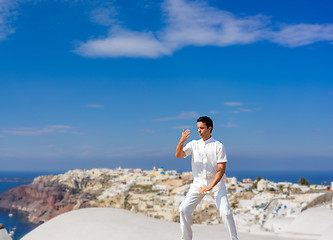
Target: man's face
203, 131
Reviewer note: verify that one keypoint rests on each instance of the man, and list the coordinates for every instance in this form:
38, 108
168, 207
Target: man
208, 168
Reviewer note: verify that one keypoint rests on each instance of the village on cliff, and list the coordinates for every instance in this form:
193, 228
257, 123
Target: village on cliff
258, 205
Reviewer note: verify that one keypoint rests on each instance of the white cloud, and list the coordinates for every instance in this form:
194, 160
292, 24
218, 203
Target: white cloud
94, 106
302, 34
244, 110
182, 115
7, 15
232, 104
186, 23
240, 110
59, 126
197, 24
28, 131
188, 115
230, 125
104, 15
214, 112
124, 43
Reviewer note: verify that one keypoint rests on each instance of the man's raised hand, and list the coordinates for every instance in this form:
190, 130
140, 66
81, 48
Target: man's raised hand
179, 150
185, 135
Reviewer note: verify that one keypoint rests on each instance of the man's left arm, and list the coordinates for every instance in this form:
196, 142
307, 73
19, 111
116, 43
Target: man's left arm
220, 172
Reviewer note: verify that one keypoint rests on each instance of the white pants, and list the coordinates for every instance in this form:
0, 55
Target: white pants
191, 201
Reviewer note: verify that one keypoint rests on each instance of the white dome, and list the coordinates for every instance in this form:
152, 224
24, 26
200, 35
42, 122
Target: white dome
327, 234
118, 224
312, 221
103, 224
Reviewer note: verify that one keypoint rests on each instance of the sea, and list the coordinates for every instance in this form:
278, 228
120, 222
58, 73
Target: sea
10, 180
22, 227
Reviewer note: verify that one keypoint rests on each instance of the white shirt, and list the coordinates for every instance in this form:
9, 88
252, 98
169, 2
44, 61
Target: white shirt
205, 156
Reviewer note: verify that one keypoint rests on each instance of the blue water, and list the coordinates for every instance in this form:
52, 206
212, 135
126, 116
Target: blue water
22, 175
314, 177
17, 221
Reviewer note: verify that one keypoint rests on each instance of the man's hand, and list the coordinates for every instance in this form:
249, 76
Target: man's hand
185, 135
205, 189
216, 180
179, 150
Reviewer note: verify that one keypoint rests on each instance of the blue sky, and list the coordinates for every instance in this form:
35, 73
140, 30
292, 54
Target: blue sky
112, 83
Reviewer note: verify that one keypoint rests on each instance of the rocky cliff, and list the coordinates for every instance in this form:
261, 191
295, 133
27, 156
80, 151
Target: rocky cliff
49, 196
145, 192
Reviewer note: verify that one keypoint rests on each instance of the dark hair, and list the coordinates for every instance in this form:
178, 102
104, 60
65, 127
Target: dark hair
207, 121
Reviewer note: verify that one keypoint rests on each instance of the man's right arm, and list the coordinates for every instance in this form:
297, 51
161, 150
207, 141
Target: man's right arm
179, 150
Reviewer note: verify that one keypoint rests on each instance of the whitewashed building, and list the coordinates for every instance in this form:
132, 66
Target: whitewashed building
144, 180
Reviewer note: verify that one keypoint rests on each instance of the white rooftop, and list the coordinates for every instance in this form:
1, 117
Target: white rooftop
110, 223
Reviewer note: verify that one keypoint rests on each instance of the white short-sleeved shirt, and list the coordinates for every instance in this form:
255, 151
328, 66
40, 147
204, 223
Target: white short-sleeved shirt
205, 156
